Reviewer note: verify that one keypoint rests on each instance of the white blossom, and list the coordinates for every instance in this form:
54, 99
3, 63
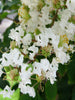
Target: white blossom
47, 68
14, 58
34, 51
26, 40
7, 92
71, 5
25, 74
62, 56
16, 34
1, 72
27, 89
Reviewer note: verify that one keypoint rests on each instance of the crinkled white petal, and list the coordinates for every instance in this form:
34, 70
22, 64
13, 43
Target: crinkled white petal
27, 89
14, 58
71, 5
16, 34
1, 72
25, 74
7, 92
34, 51
26, 40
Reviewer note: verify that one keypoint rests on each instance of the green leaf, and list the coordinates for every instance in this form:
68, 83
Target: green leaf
3, 83
9, 3
30, 66
25, 97
56, 4
41, 4
16, 95
73, 94
71, 70
45, 53
72, 19
51, 91
8, 68
64, 89
37, 31
3, 15
62, 69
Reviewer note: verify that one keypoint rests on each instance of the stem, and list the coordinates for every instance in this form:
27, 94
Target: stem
35, 84
53, 20
32, 78
13, 20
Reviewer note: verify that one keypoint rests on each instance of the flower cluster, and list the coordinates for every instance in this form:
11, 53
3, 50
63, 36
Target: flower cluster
45, 29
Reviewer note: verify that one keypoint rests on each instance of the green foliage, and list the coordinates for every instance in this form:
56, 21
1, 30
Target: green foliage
25, 97
62, 69
64, 89
3, 15
7, 68
72, 19
45, 53
51, 91
37, 31
30, 66
73, 94
3, 83
71, 70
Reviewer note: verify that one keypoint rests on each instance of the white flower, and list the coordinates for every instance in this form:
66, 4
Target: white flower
7, 92
51, 74
16, 34
33, 22
26, 40
71, 5
34, 50
55, 40
1, 72
27, 89
38, 67
47, 68
64, 19
24, 50
62, 56
42, 40
55, 62
14, 58
30, 3
70, 31
44, 20
25, 74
